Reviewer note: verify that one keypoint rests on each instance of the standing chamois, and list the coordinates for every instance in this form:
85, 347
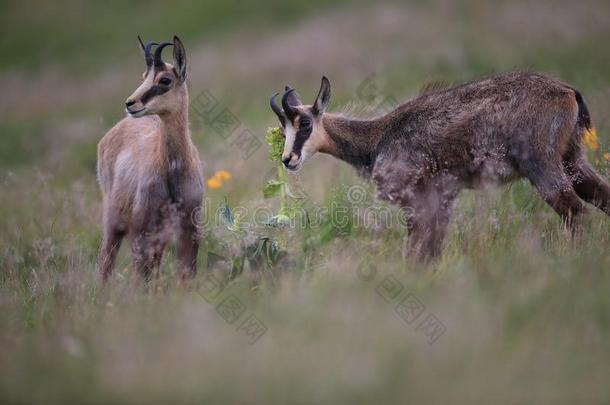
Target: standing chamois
149, 170
486, 132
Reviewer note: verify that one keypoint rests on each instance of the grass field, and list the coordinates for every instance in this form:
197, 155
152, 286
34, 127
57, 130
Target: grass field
513, 312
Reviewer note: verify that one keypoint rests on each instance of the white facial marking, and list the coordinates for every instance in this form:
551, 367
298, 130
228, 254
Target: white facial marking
310, 147
290, 133
137, 94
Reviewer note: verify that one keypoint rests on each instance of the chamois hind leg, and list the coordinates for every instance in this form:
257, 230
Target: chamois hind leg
589, 184
111, 243
555, 187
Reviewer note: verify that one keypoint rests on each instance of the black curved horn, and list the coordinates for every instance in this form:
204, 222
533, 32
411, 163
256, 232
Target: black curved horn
276, 109
147, 55
157, 59
288, 109
146, 49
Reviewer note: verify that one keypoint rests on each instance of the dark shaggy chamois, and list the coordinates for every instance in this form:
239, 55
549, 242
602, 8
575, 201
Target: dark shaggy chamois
149, 170
486, 132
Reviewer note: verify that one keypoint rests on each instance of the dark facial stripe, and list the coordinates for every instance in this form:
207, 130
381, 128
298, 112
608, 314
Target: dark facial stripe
154, 91
300, 138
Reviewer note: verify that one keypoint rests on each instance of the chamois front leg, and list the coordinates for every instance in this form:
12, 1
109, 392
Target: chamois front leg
426, 200
112, 236
147, 250
188, 231
428, 216
150, 233
109, 249
188, 246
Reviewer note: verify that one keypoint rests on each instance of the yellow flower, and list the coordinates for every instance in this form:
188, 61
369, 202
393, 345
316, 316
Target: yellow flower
607, 157
218, 178
590, 139
223, 175
214, 182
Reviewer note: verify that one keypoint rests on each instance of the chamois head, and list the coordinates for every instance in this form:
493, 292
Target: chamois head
302, 125
163, 89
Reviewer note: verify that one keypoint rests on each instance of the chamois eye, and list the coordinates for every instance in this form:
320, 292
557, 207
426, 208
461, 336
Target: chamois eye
165, 81
304, 123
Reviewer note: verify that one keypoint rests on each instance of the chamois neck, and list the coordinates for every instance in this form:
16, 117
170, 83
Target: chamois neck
353, 141
176, 137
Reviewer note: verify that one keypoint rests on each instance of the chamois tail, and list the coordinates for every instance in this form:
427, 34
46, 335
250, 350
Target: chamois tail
584, 118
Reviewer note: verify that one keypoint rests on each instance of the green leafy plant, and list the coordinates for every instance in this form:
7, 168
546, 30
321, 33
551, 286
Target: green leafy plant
278, 186
290, 204
242, 248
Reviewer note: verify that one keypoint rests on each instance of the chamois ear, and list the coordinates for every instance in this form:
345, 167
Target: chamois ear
293, 97
323, 97
179, 59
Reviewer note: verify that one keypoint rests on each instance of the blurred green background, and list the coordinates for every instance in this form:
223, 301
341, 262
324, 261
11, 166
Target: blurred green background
527, 313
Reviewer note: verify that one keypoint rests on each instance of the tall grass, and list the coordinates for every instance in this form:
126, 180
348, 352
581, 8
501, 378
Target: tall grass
526, 311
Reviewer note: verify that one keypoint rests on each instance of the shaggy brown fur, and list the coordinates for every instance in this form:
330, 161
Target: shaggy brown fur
150, 173
473, 135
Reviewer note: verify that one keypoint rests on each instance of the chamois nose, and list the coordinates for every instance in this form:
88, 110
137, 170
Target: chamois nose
287, 160
129, 103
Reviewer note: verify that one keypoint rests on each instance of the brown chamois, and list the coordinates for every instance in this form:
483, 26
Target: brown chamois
149, 170
486, 132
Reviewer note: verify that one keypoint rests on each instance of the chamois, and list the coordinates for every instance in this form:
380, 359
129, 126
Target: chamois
486, 132
149, 170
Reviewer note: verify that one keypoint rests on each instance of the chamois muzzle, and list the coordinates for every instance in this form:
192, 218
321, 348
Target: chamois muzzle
292, 162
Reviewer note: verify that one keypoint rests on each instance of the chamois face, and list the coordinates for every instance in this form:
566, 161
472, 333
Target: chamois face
163, 89
302, 125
